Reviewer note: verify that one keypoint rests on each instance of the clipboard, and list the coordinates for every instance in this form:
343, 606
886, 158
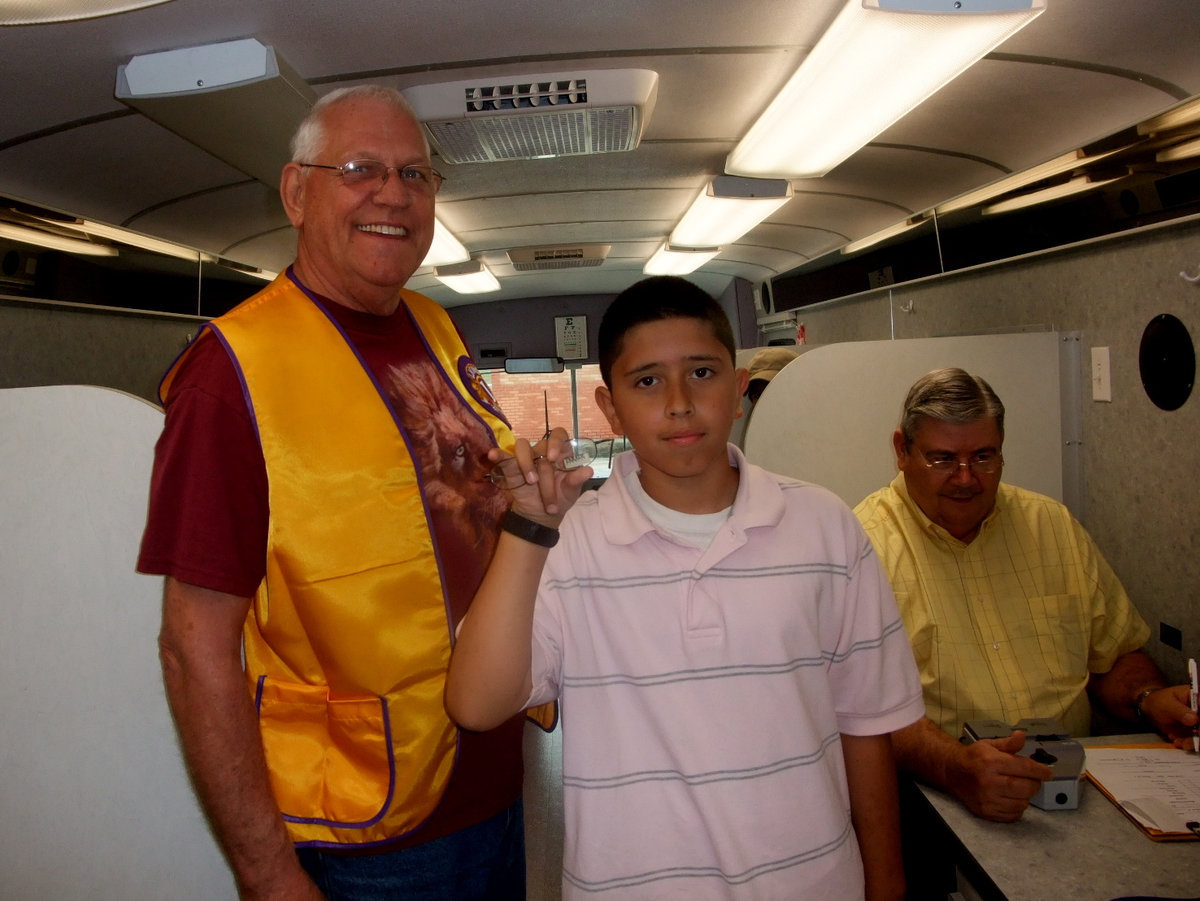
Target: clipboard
1156, 786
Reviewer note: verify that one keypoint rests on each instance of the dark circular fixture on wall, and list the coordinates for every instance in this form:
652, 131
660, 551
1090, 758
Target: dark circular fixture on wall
1167, 360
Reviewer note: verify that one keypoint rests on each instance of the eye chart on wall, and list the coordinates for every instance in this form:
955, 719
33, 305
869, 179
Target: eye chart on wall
570, 337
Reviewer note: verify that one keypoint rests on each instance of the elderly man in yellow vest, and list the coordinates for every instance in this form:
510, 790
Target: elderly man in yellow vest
1011, 610
320, 511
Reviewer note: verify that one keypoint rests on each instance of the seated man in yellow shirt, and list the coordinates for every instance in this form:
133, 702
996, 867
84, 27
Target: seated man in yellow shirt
1011, 610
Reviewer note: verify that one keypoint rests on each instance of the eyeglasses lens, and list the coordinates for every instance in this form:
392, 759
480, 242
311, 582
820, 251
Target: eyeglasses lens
979, 467
421, 179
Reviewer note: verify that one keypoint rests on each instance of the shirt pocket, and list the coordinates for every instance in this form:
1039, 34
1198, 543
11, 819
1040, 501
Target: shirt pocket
330, 759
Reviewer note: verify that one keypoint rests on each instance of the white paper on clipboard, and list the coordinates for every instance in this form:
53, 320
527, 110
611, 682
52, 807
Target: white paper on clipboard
1158, 787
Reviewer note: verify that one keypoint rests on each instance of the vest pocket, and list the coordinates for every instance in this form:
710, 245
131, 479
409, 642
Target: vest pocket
330, 759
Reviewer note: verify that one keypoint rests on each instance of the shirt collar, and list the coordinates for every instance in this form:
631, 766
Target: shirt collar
758, 502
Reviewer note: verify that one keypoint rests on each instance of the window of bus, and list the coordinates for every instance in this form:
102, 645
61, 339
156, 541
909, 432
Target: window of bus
536, 402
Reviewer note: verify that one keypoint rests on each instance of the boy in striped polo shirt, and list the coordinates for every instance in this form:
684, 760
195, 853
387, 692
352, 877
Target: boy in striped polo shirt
726, 649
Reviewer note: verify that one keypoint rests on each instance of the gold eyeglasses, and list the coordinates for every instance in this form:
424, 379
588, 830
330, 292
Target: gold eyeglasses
984, 463
360, 173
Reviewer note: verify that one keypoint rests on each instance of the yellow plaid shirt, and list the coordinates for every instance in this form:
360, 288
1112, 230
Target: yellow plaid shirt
1010, 625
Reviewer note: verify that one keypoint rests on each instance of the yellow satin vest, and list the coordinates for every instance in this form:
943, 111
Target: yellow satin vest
349, 636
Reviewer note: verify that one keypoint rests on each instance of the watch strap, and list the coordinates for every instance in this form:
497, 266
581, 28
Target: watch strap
528, 530
1141, 697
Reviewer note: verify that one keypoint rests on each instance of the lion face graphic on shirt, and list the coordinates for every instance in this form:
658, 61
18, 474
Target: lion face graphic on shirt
451, 445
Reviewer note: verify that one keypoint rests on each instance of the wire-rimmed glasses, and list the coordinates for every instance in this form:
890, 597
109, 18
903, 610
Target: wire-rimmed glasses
359, 173
507, 473
984, 463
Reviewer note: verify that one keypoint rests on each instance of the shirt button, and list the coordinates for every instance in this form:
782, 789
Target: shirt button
996, 647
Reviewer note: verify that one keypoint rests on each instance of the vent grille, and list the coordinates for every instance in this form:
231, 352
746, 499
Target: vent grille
532, 116
569, 132
525, 95
567, 256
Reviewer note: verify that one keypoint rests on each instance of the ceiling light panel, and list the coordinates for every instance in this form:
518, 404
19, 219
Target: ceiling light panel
1077, 185
672, 260
55, 242
727, 208
878, 60
445, 248
471, 277
36, 13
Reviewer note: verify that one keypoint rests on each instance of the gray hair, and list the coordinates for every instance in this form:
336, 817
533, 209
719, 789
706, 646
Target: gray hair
949, 395
309, 139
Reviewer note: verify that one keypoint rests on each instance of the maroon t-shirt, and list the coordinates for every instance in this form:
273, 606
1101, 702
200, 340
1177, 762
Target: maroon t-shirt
208, 512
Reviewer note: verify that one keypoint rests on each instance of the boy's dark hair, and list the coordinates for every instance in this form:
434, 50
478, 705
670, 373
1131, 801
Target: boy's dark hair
651, 299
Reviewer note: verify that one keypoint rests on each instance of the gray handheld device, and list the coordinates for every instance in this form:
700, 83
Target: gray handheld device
1046, 741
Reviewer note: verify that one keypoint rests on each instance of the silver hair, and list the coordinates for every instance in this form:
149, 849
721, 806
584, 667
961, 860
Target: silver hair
309, 139
949, 395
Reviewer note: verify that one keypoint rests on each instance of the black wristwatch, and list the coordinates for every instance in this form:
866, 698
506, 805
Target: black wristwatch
528, 530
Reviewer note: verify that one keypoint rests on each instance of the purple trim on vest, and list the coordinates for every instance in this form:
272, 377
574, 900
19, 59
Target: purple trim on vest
487, 428
237, 368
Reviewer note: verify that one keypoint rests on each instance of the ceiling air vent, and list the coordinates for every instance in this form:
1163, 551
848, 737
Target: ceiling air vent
533, 116
566, 256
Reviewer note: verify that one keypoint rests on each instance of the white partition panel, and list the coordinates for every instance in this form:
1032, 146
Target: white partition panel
94, 799
829, 415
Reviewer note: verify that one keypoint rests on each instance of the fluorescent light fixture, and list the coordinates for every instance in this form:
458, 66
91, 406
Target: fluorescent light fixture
25, 13
1055, 192
672, 260
1184, 151
445, 249
1057, 166
878, 60
1184, 114
727, 208
471, 277
133, 239
883, 234
55, 242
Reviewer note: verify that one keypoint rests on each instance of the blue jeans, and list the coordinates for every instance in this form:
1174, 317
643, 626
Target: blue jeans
485, 862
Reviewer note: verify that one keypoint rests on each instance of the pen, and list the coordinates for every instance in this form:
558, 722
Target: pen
1194, 700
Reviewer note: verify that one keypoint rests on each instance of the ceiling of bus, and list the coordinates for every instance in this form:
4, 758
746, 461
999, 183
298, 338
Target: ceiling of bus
1084, 70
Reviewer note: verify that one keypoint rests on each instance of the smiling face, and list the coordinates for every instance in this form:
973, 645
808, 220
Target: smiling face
961, 501
675, 393
358, 245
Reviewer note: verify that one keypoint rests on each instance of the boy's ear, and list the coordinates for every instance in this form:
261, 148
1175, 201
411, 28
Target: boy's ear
605, 402
743, 382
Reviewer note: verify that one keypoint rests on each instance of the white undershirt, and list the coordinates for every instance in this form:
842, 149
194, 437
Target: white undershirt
693, 529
